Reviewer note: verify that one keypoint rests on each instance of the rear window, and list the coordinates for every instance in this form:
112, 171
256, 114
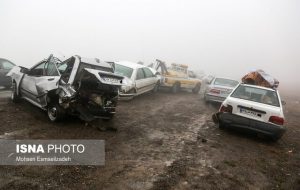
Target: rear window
226, 82
256, 95
123, 70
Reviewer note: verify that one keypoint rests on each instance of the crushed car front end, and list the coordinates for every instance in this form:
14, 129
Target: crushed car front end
93, 94
87, 88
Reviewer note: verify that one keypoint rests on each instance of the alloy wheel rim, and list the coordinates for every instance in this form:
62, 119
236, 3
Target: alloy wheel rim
52, 113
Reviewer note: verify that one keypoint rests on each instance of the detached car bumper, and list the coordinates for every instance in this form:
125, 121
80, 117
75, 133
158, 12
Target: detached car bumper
273, 130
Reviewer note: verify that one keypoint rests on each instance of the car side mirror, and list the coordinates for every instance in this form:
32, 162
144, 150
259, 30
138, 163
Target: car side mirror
283, 102
24, 70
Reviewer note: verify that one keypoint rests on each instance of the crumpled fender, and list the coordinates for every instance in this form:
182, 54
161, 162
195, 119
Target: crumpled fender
16, 75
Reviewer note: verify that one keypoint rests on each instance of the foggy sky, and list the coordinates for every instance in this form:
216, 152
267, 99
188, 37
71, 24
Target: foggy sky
226, 38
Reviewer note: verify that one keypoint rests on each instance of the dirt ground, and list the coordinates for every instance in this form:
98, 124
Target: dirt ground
163, 141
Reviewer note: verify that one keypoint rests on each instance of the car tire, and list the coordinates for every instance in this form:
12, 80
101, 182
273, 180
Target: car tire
275, 138
175, 88
196, 89
55, 112
156, 88
14, 95
221, 126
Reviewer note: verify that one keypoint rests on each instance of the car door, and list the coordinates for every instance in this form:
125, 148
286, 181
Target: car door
151, 79
27, 85
47, 82
140, 81
38, 81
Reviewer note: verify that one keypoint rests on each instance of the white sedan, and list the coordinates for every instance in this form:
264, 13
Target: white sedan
138, 79
254, 108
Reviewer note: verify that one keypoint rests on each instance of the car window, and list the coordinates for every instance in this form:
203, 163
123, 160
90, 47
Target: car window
38, 70
51, 69
148, 72
7, 65
140, 74
226, 82
123, 70
65, 70
191, 74
62, 67
256, 94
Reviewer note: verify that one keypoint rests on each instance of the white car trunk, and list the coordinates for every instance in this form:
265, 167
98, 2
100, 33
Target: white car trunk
253, 110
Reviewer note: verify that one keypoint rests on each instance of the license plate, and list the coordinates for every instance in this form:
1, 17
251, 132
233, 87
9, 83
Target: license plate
248, 112
112, 80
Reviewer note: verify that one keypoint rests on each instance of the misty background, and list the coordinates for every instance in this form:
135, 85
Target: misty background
224, 38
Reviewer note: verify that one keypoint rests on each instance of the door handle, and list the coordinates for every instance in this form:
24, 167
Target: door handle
50, 79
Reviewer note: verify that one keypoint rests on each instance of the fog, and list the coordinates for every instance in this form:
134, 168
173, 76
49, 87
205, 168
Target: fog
225, 38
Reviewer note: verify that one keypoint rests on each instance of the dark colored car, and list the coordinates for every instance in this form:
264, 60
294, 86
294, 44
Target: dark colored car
5, 67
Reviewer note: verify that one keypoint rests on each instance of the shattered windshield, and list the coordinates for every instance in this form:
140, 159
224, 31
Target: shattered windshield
123, 70
62, 67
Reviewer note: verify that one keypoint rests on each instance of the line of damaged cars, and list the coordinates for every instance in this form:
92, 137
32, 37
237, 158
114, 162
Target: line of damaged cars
90, 89
87, 88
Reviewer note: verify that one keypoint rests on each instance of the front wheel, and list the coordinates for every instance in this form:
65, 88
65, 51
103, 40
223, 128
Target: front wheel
14, 95
156, 87
55, 112
221, 126
175, 88
196, 89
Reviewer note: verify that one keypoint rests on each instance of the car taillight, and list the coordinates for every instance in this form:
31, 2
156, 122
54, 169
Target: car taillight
215, 91
276, 120
227, 108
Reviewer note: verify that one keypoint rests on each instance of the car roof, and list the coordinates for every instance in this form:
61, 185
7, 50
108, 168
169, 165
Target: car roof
130, 64
256, 86
225, 78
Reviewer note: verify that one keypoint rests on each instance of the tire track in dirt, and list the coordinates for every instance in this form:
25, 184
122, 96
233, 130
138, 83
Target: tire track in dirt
177, 169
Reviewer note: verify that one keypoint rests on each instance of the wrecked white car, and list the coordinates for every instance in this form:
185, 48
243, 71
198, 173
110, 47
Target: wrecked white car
78, 86
138, 79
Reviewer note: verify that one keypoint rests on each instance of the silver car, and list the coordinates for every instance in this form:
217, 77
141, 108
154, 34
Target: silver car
218, 89
78, 86
138, 79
